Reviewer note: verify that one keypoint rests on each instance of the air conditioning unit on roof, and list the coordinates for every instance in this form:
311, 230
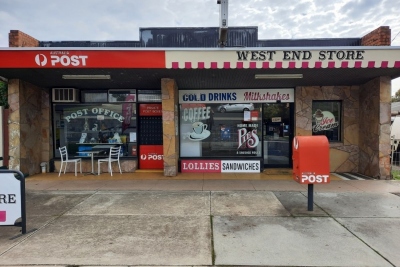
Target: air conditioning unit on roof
65, 95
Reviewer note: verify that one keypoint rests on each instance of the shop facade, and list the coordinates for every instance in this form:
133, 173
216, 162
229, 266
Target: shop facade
201, 110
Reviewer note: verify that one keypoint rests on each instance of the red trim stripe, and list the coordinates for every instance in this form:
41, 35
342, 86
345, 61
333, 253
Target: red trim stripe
265, 65
384, 64
188, 65
292, 65
318, 64
227, 65
331, 64
278, 65
239, 65
253, 65
397, 64
304, 65
214, 65
345, 64
357, 64
371, 64
175, 65
200, 65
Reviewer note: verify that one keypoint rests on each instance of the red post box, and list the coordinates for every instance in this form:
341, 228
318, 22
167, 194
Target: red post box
311, 159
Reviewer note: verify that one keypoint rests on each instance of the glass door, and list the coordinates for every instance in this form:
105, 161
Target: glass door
278, 134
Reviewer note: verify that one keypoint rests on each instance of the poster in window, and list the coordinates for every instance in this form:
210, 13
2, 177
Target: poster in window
326, 119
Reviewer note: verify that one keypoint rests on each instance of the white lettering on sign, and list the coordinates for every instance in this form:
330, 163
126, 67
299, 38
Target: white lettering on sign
200, 166
94, 111
196, 114
311, 178
151, 157
66, 61
248, 139
61, 58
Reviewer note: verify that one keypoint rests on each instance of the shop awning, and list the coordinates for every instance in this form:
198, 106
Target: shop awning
200, 68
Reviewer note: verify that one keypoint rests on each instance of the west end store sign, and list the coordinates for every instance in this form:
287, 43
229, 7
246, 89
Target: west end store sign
206, 58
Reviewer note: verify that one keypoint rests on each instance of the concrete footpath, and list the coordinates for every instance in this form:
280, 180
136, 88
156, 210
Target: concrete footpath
161, 222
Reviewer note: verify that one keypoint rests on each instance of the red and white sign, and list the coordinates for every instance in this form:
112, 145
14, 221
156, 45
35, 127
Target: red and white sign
317, 58
314, 179
201, 165
150, 110
221, 166
151, 157
81, 59
10, 199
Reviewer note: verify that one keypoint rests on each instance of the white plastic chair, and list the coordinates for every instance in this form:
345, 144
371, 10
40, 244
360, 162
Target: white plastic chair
65, 159
112, 157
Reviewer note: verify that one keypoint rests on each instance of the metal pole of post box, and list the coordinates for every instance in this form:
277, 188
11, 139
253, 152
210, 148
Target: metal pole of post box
310, 197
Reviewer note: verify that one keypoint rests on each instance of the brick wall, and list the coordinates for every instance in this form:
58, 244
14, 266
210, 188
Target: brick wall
378, 37
19, 39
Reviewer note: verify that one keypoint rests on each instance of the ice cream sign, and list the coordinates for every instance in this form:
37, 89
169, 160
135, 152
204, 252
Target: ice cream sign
324, 120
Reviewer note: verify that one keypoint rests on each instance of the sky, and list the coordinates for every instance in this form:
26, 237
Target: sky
101, 20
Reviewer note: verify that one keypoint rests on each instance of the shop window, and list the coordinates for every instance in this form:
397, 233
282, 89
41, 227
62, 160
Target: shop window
84, 126
149, 96
94, 96
327, 119
220, 130
121, 95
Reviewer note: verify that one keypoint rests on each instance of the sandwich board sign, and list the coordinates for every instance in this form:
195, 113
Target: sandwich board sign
12, 199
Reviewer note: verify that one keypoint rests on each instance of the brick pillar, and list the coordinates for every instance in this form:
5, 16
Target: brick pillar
378, 37
19, 39
169, 90
375, 104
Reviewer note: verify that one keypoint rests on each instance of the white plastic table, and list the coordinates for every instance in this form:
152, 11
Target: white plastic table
91, 152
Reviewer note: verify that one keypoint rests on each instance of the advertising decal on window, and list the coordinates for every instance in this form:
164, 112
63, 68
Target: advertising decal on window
221, 166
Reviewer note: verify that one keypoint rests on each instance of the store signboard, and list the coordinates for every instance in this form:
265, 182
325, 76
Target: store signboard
150, 110
284, 95
12, 198
81, 59
201, 166
267, 58
221, 166
151, 157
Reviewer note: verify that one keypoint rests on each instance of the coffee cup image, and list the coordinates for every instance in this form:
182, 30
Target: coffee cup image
199, 127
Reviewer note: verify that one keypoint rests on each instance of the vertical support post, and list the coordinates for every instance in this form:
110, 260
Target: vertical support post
310, 197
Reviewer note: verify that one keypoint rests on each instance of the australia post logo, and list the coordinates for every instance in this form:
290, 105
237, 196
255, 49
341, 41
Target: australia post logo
151, 156
61, 59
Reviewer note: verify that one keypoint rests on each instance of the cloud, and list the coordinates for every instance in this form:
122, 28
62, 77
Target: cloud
55, 20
